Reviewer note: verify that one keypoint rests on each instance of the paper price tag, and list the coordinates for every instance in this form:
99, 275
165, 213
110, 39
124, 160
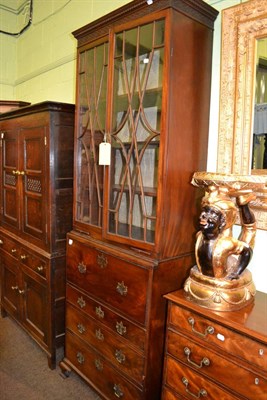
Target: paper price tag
104, 153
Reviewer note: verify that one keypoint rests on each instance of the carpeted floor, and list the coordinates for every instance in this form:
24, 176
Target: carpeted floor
24, 372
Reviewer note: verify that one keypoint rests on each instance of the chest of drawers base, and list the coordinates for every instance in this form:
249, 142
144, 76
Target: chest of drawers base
215, 354
115, 317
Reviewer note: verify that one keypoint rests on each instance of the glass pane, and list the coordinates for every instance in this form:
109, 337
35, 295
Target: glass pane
92, 121
135, 136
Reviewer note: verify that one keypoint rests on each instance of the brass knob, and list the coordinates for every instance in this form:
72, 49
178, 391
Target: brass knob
80, 357
99, 335
120, 328
102, 261
81, 328
99, 312
118, 391
98, 365
122, 289
1, 241
120, 356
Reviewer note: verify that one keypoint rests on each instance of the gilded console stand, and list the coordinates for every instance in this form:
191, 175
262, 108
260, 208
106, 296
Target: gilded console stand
220, 280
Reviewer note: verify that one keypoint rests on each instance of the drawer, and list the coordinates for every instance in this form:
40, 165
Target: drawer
112, 280
167, 394
33, 262
216, 367
113, 348
97, 370
189, 384
10, 246
120, 326
211, 332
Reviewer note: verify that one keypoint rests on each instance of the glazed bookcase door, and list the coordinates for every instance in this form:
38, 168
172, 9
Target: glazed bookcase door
135, 133
91, 117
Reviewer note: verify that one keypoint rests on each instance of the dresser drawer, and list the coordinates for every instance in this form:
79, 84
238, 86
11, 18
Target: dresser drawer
97, 370
9, 246
120, 326
167, 394
33, 262
113, 348
218, 368
211, 332
189, 384
112, 280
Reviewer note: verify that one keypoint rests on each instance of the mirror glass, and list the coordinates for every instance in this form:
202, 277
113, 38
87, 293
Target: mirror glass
259, 148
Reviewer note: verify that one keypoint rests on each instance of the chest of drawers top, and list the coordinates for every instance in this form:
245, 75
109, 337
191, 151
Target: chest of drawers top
250, 321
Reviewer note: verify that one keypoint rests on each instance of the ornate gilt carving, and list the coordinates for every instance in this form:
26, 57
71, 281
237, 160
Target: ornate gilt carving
242, 26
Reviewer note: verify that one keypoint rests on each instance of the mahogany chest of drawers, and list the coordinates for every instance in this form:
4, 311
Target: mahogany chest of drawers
115, 318
215, 355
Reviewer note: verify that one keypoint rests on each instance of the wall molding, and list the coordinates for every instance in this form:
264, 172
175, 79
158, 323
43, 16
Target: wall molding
15, 11
46, 68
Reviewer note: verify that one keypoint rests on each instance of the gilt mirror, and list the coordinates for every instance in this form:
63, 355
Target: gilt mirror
242, 142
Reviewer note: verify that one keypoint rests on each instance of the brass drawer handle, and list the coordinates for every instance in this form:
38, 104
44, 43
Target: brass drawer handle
99, 335
81, 302
102, 260
1, 241
81, 328
208, 331
21, 291
99, 312
118, 391
80, 357
204, 362
14, 288
120, 356
122, 289
82, 268
120, 328
13, 251
40, 268
99, 365
201, 392
23, 256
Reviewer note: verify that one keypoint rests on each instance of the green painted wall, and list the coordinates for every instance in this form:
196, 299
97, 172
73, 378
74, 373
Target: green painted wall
40, 64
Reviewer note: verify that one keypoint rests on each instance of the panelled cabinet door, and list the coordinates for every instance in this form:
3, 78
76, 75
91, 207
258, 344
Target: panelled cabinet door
10, 287
33, 148
10, 179
35, 300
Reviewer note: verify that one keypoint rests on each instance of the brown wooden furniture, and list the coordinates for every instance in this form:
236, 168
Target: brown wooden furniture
36, 213
215, 355
9, 105
143, 86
